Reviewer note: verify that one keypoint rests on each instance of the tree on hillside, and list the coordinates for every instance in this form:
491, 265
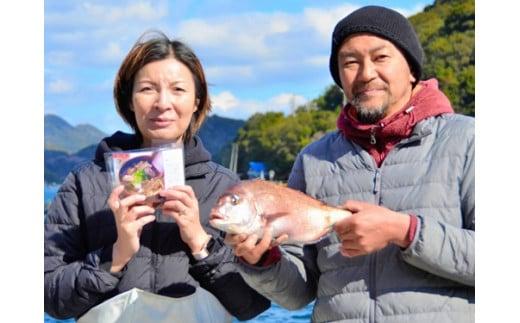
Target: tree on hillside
255, 138
446, 30
275, 139
331, 100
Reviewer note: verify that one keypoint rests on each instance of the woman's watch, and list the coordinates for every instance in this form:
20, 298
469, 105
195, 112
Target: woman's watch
203, 253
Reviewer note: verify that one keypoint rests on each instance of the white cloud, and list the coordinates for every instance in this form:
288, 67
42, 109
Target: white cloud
224, 101
224, 37
269, 38
407, 13
279, 23
322, 21
90, 13
106, 86
68, 36
143, 11
238, 48
60, 87
202, 32
318, 60
213, 72
245, 35
60, 57
287, 100
227, 104
112, 52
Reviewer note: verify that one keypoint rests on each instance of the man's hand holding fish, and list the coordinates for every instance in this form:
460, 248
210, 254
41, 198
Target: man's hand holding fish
371, 228
249, 248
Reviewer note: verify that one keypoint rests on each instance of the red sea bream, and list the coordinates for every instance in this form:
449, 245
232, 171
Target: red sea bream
249, 206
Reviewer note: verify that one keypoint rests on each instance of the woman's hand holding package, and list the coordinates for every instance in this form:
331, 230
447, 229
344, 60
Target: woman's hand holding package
181, 204
131, 215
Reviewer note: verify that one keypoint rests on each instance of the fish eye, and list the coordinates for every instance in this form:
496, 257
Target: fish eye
235, 199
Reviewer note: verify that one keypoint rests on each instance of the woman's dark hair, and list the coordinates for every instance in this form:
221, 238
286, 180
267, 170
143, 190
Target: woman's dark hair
150, 47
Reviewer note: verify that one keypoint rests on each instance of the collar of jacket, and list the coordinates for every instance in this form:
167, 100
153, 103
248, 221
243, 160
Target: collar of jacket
380, 138
196, 155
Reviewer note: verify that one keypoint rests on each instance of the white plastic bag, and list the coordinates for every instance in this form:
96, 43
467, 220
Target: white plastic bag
139, 306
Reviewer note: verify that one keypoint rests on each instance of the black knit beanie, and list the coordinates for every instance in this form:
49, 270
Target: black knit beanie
382, 22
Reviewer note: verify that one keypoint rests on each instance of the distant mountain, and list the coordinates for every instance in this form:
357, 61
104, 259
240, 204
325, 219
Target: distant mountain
218, 132
61, 136
57, 164
66, 146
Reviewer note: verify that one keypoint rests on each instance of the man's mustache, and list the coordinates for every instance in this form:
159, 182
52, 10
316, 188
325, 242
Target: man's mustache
359, 88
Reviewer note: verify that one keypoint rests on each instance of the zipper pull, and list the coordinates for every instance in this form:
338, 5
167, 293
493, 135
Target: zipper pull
373, 136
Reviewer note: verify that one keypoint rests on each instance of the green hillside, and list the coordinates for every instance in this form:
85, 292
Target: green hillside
446, 30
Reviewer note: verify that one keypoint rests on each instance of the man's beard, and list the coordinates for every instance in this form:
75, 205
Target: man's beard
369, 115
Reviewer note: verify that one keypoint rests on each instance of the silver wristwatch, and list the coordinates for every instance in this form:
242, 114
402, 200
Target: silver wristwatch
203, 253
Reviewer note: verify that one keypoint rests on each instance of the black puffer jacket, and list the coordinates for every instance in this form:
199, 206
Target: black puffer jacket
80, 231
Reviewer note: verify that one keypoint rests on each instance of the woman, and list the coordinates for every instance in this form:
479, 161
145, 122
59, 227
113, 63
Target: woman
99, 244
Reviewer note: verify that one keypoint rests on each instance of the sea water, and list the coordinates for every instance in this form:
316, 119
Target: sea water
274, 314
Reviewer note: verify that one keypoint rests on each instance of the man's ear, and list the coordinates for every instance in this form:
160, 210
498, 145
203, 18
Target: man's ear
412, 78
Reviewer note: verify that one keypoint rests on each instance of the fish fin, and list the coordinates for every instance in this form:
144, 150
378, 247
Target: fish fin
293, 242
323, 237
275, 216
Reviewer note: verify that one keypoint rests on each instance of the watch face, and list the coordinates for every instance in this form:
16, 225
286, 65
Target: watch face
204, 252
201, 254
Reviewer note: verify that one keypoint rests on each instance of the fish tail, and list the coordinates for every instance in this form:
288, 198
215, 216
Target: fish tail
337, 215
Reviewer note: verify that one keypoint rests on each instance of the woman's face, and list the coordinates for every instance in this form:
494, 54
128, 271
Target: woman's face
163, 101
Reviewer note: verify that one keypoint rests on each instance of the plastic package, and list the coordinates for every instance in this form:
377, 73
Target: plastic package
146, 171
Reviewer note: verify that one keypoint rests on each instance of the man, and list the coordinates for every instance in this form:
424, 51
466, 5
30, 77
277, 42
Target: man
403, 163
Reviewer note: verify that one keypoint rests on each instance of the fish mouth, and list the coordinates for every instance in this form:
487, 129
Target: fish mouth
216, 217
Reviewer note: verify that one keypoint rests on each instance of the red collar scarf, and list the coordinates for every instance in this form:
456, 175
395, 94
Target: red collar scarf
379, 139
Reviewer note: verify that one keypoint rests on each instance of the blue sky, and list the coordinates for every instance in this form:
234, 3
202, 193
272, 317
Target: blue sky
258, 55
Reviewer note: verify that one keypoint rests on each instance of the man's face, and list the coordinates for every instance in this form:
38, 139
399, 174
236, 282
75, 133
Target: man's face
375, 76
